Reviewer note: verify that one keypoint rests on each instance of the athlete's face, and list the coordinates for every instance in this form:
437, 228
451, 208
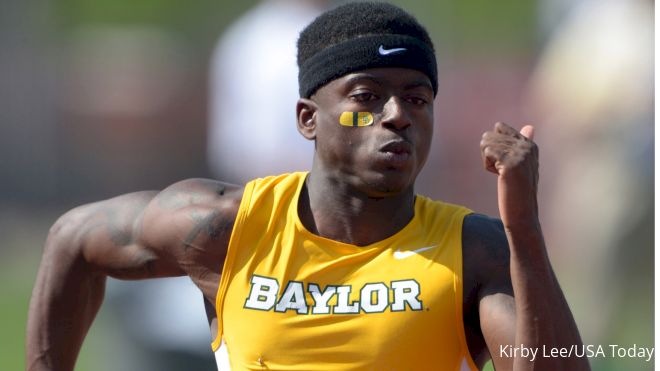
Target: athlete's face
383, 158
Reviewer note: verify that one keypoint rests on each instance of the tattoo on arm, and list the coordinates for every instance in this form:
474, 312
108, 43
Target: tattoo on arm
211, 225
110, 223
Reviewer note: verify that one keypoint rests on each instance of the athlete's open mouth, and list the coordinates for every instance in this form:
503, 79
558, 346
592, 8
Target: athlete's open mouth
396, 154
397, 147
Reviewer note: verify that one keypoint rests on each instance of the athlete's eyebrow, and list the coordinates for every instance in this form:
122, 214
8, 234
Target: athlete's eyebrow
419, 83
362, 76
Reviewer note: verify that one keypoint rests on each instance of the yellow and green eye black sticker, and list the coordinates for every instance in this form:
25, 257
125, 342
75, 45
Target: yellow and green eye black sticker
356, 119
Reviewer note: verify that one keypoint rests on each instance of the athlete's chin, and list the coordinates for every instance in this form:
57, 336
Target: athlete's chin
390, 183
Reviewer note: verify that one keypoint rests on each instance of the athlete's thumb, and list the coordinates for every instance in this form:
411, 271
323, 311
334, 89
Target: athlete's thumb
528, 132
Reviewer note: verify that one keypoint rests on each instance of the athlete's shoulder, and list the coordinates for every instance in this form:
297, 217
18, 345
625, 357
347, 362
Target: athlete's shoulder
200, 196
199, 192
183, 210
437, 205
440, 215
274, 189
279, 182
482, 228
485, 247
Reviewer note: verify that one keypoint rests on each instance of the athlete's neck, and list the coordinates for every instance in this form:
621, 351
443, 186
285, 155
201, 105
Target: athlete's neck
335, 210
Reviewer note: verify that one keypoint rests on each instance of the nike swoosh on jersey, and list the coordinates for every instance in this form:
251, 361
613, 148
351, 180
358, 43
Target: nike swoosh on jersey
383, 51
398, 254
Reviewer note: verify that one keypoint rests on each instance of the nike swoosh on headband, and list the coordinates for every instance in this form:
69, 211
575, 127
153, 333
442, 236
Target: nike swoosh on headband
383, 51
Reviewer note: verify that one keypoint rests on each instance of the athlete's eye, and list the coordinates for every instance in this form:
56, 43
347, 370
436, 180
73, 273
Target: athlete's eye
417, 100
363, 96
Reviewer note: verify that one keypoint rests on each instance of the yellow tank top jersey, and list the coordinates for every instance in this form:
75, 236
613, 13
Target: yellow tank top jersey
292, 300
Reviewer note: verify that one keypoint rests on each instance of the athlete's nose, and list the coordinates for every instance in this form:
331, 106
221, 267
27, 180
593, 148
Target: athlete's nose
394, 114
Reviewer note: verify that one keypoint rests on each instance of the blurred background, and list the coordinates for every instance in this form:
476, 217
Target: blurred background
99, 98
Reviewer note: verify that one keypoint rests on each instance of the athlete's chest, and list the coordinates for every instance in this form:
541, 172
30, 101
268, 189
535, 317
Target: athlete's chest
303, 304
292, 300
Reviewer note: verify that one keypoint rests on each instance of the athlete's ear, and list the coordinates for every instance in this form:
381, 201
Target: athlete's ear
306, 118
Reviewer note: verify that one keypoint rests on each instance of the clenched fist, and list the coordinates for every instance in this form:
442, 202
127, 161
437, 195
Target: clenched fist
513, 156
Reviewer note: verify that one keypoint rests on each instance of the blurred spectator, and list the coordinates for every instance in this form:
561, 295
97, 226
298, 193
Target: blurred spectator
253, 92
593, 87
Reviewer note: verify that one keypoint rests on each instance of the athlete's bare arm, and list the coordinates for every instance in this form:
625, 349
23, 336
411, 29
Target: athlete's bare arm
513, 291
486, 259
183, 230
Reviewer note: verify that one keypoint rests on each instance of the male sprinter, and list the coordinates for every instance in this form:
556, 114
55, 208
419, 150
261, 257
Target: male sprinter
344, 267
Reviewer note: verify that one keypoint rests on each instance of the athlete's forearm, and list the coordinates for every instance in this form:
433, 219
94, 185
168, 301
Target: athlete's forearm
543, 317
65, 300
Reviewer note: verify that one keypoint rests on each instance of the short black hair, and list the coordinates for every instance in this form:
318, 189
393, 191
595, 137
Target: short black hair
353, 20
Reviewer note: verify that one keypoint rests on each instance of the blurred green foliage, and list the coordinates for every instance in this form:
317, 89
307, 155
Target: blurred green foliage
14, 299
463, 25
478, 25
200, 21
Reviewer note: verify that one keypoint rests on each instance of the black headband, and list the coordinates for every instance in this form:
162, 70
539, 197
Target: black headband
364, 52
